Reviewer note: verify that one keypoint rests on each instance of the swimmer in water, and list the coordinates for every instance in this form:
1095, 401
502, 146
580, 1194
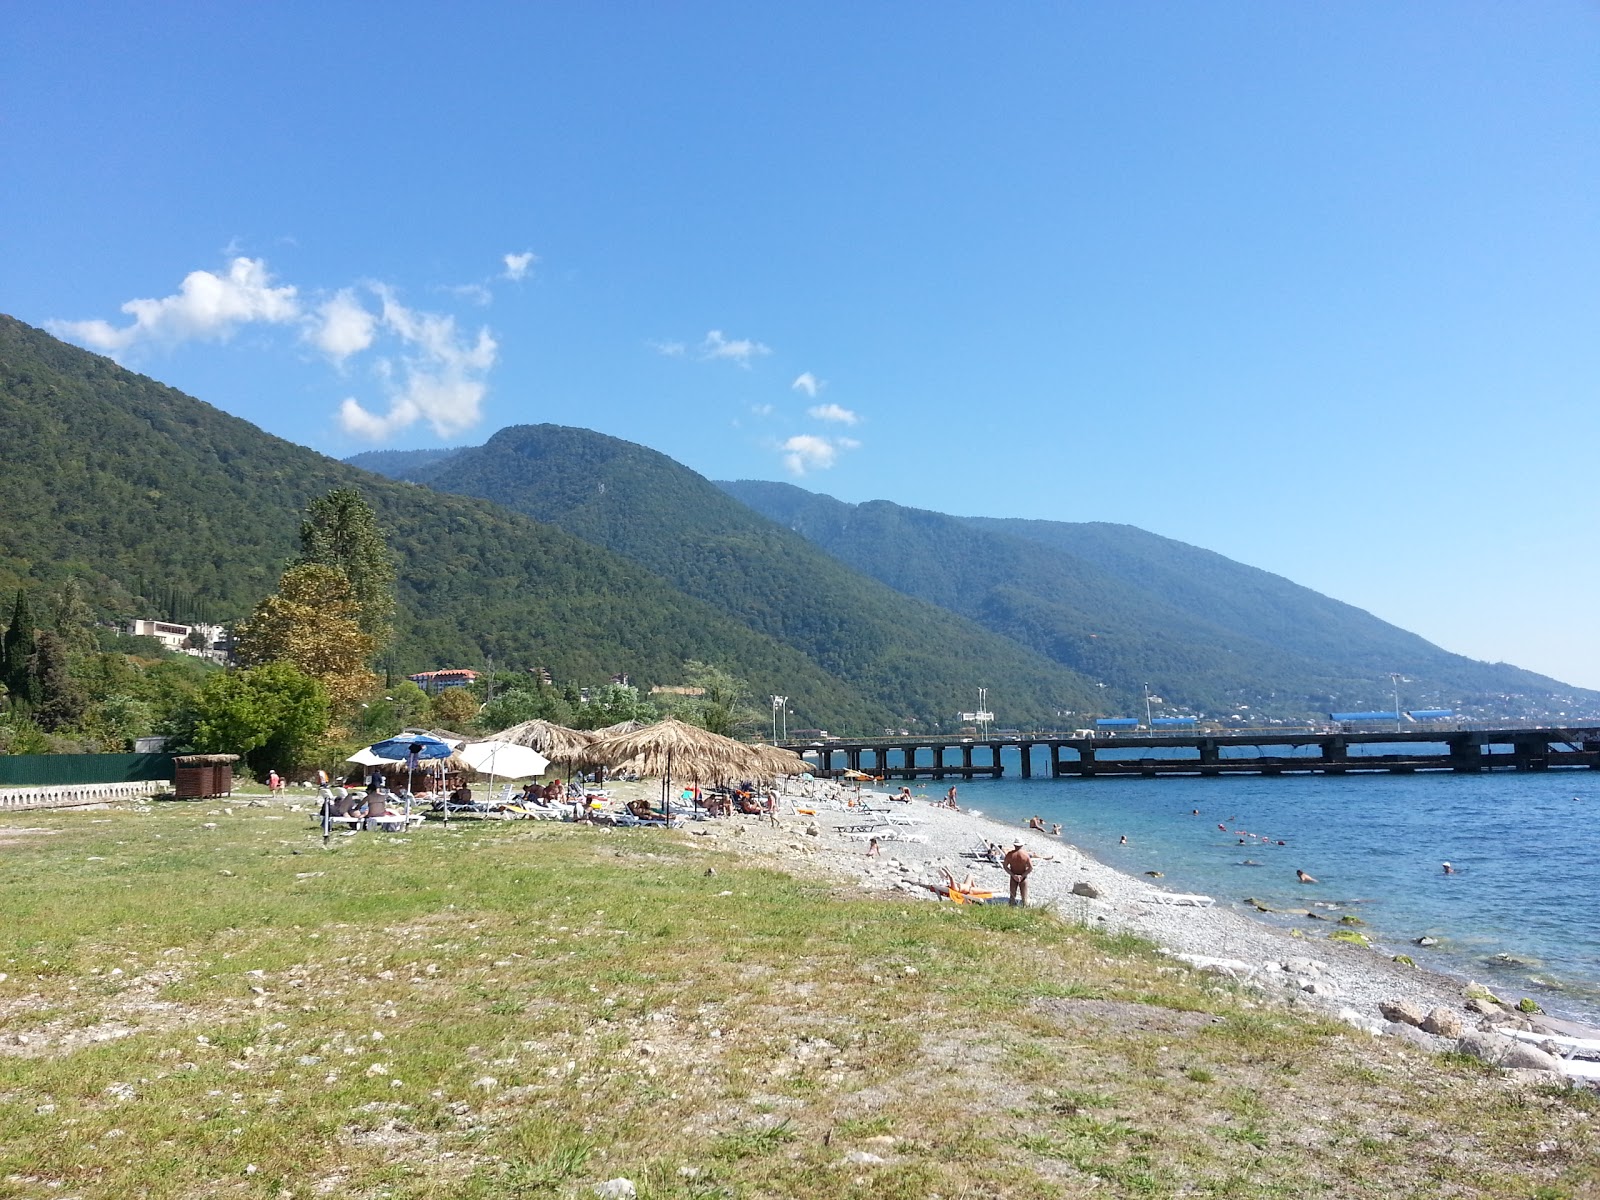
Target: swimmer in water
1303, 877
1222, 827
1196, 812
1123, 841
1448, 869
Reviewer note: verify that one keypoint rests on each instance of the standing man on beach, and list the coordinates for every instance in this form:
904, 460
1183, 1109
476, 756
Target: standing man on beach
1019, 865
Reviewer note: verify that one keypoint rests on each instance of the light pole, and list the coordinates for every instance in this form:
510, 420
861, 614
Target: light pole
1147, 718
779, 704
983, 713
1397, 679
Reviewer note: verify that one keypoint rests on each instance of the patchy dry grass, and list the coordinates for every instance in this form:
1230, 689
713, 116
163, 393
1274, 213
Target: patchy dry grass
203, 1003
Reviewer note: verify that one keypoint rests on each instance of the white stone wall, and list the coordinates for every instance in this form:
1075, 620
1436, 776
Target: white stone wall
66, 795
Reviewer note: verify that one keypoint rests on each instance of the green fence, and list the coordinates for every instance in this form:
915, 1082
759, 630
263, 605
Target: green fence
46, 770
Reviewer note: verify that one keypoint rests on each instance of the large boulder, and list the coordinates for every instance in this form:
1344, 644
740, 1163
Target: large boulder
1084, 888
1445, 1022
1523, 1057
1404, 1012
1410, 1033
1491, 1048
1501, 1051
1232, 968
1476, 991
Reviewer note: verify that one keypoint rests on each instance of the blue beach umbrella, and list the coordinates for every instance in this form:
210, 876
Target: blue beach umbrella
424, 745
412, 749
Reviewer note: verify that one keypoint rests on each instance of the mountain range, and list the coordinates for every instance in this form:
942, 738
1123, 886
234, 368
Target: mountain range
1119, 607
591, 556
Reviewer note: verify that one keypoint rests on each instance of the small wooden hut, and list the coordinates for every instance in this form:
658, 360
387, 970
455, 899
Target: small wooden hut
202, 776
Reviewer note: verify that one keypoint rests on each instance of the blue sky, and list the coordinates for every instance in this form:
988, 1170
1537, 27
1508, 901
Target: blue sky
1312, 285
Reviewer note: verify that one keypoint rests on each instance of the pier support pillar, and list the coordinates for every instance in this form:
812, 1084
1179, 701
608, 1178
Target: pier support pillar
938, 762
1335, 755
1465, 755
1529, 754
1209, 757
853, 757
1026, 750
966, 758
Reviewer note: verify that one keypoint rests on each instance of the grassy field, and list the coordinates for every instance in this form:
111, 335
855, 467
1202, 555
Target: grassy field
205, 1002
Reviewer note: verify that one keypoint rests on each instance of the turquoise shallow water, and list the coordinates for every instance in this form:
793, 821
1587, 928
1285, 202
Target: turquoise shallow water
1527, 854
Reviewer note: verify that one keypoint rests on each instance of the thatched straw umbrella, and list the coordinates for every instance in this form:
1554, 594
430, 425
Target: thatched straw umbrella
555, 742
775, 761
619, 727
671, 746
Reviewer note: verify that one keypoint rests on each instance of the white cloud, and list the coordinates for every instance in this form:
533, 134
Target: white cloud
343, 326
762, 410
809, 384
808, 452
517, 265
360, 422
205, 306
431, 371
438, 379
739, 350
832, 412
669, 349
475, 292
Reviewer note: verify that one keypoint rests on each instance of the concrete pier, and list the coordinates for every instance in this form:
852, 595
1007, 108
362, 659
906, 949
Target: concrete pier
1254, 752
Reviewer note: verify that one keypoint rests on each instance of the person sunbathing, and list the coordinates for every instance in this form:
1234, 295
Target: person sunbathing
641, 809
967, 884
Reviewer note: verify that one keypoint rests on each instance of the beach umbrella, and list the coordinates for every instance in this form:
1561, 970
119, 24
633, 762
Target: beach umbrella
403, 745
366, 758
673, 748
412, 747
506, 759
619, 727
555, 742
776, 761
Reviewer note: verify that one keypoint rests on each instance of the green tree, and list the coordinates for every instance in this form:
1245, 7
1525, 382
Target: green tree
723, 704
273, 714
117, 720
341, 531
612, 704
70, 616
20, 641
312, 622
524, 704
60, 702
454, 709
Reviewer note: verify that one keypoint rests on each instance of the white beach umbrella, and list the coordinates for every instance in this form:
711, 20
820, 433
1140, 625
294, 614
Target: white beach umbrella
364, 757
505, 759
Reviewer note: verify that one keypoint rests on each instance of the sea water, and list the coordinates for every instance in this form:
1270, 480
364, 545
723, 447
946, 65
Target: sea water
1519, 914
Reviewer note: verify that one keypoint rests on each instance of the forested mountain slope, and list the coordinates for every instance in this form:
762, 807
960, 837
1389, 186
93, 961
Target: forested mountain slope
147, 494
1127, 606
907, 654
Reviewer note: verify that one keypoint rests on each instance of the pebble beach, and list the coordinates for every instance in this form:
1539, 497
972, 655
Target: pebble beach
823, 829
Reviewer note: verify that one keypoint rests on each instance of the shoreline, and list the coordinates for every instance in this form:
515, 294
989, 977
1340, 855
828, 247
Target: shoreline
1358, 985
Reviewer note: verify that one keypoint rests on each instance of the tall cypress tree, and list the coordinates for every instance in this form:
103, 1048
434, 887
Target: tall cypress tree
341, 531
20, 645
59, 701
